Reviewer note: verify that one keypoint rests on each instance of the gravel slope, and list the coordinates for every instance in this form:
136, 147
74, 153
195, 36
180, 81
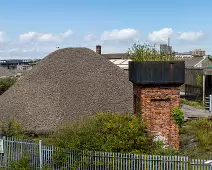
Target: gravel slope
4, 72
68, 84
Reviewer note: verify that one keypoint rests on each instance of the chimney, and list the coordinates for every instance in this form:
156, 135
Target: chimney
155, 97
98, 49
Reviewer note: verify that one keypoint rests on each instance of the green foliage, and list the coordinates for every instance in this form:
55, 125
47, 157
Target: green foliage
167, 152
203, 130
178, 116
194, 104
13, 129
6, 83
200, 133
199, 81
147, 52
60, 157
22, 164
106, 132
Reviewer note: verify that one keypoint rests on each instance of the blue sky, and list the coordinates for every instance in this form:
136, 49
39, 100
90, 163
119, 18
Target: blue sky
33, 28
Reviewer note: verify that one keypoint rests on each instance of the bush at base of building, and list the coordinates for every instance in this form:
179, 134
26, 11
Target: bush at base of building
106, 132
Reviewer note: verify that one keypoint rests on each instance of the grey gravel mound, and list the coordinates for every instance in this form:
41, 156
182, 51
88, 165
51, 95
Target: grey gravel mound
68, 84
4, 72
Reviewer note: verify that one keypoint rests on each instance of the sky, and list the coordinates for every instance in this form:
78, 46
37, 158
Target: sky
31, 29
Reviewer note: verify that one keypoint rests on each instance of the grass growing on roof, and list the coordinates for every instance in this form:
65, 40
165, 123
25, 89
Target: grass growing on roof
148, 52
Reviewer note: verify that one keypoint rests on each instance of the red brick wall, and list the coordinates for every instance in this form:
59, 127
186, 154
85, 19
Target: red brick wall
155, 104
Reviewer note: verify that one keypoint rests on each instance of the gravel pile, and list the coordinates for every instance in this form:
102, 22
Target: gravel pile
68, 84
4, 72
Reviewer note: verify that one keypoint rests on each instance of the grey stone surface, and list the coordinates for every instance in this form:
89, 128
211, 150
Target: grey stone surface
68, 84
193, 112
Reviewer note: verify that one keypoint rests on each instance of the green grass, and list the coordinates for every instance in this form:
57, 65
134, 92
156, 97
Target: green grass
194, 104
197, 139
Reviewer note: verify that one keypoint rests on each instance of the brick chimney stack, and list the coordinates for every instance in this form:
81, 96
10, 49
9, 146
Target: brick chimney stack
156, 92
99, 49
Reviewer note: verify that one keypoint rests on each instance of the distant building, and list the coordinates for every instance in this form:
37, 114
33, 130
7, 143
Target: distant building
16, 64
165, 49
184, 55
198, 52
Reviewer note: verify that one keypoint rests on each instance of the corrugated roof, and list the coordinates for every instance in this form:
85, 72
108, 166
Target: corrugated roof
192, 61
121, 63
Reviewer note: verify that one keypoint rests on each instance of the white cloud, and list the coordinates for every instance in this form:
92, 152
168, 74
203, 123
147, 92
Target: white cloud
12, 50
38, 44
67, 34
46, 38
42, 37
190, 36
90, 37
26, 37
120, 35
2, 37
161, 35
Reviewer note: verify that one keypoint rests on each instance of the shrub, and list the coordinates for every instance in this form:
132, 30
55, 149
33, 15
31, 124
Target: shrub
178, 116
106, 132
12, 129
199, 135
6, 83
22, 164
199, 81
147, 52
202, 129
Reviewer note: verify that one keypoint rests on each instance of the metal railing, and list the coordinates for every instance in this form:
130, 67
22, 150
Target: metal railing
13, 150
208, 103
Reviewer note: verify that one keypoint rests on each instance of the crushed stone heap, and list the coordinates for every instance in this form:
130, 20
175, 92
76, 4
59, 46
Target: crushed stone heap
68, 84
4, 72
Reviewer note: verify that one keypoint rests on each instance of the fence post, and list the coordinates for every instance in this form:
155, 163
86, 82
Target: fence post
41, 155
189, 163
5, 151
210, 102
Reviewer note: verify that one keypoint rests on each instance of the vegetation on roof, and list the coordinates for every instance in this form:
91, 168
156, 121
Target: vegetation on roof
148, 52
